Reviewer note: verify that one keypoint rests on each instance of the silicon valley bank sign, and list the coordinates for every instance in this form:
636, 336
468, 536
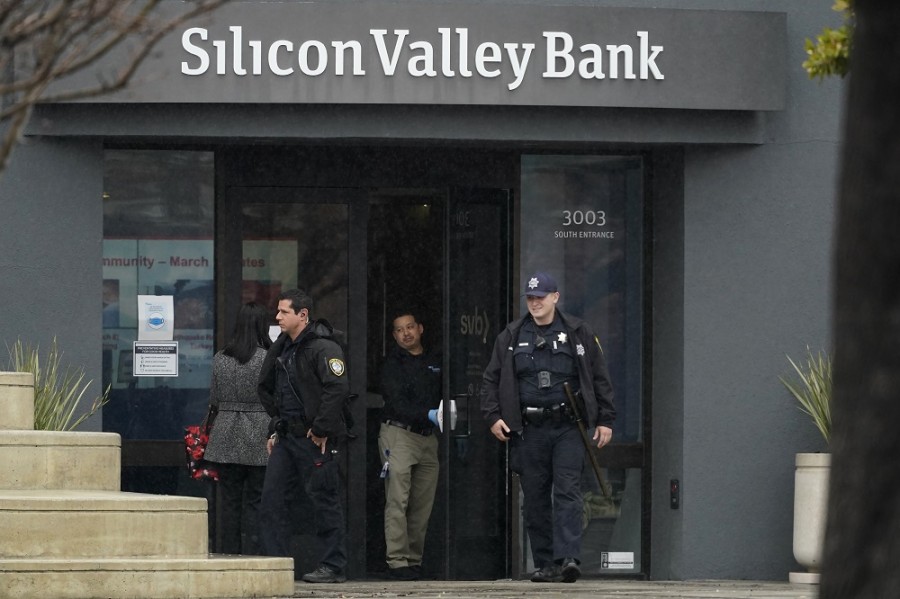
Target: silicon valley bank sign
373, 52
452, 58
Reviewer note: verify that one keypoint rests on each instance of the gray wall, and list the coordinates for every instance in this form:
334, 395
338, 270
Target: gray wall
667, 374
757, 248
741, 267
51, 229
755, 252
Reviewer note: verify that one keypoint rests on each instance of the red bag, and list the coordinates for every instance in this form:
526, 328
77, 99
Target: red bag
196, 437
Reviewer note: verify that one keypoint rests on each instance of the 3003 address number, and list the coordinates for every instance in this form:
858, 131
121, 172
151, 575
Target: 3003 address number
595, 218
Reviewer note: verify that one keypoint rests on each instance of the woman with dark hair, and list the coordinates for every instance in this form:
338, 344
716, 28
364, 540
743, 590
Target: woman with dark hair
237, 442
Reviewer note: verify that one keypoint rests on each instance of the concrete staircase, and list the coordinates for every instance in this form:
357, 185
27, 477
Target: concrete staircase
68, 532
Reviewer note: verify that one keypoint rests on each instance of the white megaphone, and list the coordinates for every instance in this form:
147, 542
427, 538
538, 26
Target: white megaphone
440, 415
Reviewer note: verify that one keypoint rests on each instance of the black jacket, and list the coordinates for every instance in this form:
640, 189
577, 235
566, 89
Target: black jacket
321, 374
500, 392
411, 385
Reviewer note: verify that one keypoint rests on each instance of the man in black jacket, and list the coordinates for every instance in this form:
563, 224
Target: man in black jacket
303, 386
411, 387
525, 403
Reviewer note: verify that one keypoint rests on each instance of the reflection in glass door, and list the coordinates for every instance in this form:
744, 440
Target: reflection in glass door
303, 245
477, 300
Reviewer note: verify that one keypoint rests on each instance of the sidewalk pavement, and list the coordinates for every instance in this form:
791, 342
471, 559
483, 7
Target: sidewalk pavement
582, 589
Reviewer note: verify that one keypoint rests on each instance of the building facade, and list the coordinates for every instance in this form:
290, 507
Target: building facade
669, 162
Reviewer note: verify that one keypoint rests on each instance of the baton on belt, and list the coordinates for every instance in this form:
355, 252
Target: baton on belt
588, 446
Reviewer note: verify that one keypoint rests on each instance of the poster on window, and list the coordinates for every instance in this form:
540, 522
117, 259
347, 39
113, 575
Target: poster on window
184, 271
156, 319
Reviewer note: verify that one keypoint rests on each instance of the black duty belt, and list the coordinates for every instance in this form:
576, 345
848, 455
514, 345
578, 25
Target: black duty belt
539, 415
425, 432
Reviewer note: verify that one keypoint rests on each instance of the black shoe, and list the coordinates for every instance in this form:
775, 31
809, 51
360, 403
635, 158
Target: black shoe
569, 570
324, 574
403, 573
546, 574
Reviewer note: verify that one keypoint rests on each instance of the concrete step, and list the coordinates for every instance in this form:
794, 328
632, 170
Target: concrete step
94, 524
213, 576
69, 533
16, 401
31, 460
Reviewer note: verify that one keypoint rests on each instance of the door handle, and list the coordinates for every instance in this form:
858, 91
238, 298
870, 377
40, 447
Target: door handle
462, 426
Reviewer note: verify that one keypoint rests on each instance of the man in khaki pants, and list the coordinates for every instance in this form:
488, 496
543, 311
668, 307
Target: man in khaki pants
411, 387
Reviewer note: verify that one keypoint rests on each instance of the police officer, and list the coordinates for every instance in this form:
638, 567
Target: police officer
303, 386
525, 403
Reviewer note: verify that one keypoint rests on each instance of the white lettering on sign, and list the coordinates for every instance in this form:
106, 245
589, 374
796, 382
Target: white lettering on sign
561, 63
388, 65
450, 58
312, 56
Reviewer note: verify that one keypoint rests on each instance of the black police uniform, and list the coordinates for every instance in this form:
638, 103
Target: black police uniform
523, 385
303, 385
551, 453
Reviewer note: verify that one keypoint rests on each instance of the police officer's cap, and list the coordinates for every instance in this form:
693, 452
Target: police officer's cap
540, 284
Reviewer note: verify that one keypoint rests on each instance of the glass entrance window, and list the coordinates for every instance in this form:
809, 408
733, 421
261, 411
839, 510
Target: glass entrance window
157, 240
581, 221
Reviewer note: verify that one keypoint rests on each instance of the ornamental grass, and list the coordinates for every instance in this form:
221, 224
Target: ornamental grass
57, 391
813, 390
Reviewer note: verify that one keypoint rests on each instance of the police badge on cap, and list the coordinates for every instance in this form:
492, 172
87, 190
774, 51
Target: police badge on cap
540, 284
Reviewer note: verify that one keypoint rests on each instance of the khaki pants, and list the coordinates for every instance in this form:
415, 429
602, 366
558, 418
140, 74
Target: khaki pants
409, 492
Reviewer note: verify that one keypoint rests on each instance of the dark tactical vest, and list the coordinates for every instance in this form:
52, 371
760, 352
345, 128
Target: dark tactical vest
544, 358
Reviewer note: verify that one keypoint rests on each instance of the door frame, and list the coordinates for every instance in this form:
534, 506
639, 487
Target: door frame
456, 198
228, 240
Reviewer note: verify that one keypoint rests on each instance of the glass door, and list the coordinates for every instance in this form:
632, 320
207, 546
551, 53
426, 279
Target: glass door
444, 256
477, 307
362, 254
405, 263
301, 237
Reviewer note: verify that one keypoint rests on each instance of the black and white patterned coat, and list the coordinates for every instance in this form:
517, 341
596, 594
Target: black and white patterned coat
239, 430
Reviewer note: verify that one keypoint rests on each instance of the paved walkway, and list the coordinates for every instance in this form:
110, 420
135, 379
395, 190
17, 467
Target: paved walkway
583, 589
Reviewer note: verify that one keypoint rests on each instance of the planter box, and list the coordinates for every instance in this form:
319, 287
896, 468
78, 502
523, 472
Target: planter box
810, 512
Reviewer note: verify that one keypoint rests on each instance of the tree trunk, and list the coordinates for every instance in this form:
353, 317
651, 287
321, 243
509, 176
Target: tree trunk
862, 544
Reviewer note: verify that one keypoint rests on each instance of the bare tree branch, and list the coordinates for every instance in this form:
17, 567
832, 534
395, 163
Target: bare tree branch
45, 41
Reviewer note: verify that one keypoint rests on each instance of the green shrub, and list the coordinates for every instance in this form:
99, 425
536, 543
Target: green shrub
57, 392
829, 54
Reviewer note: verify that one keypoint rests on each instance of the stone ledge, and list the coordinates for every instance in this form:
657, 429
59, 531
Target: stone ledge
96, 501
51, 462
19, 379
62, 438
200, 578
211, 562
16, 401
